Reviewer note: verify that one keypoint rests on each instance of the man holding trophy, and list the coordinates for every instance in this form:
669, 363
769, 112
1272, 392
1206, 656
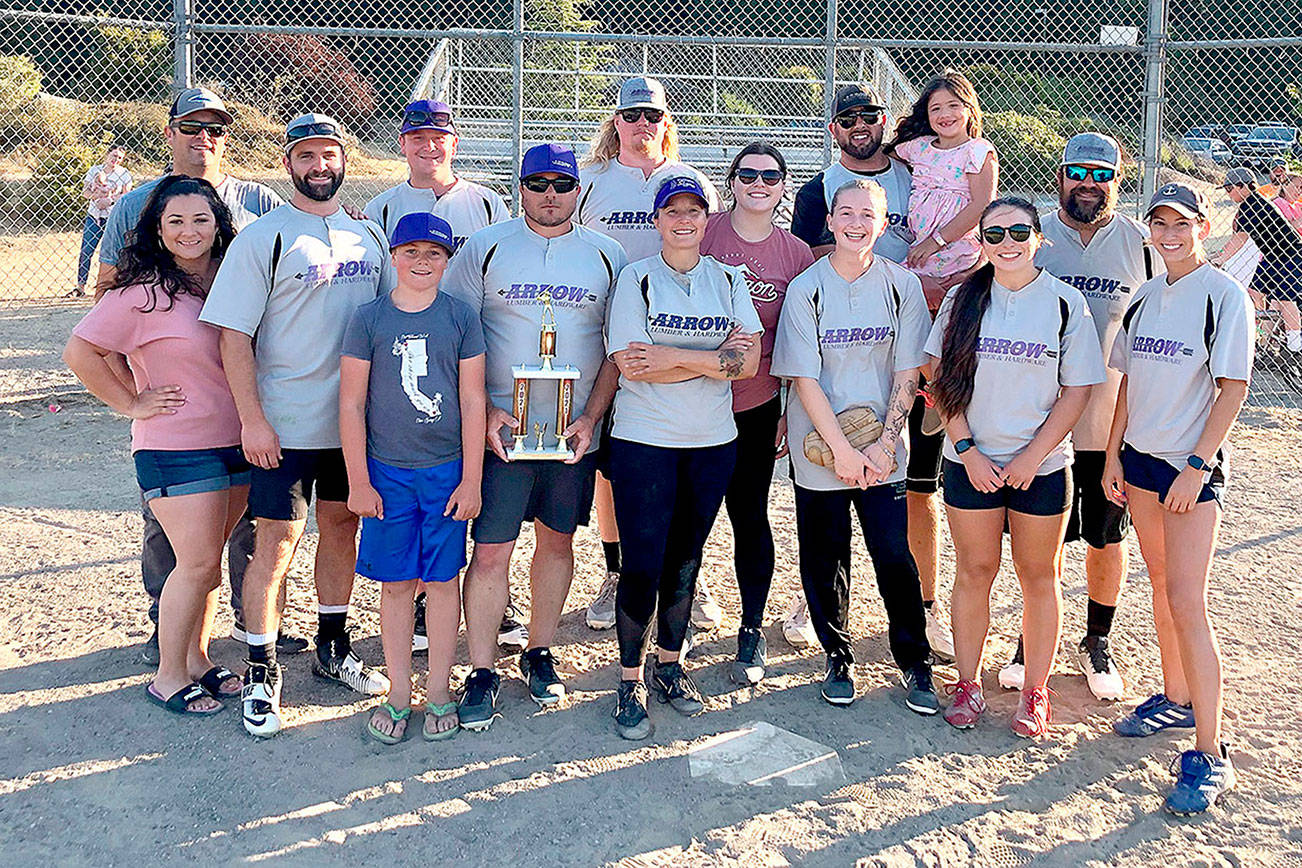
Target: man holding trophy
541, 284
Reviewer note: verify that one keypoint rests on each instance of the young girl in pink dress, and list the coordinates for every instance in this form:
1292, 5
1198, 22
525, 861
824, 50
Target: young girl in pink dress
955, 176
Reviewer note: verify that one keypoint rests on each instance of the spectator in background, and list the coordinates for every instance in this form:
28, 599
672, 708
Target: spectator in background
103, 186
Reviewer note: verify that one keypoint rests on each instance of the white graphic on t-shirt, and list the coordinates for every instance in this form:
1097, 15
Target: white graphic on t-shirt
415, 364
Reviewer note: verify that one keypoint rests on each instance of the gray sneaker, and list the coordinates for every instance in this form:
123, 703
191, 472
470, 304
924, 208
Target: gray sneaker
478, 707
676, 687
601, 611
748, 669
631, 720
838, 683
920, 693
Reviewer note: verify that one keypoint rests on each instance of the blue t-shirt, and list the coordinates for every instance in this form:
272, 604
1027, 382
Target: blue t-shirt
413, 414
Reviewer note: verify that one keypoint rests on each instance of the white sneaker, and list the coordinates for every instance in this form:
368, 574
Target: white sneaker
601, 611
260, 700
1013, 675
706, 613
512, 632
1100, 670
796, 628
939, 637
351, 671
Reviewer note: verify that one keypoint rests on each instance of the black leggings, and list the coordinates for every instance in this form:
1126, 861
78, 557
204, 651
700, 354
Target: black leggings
666, 501
823, 528
747, 502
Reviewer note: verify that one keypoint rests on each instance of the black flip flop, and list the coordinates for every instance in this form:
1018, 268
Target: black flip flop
211, 681
179, 702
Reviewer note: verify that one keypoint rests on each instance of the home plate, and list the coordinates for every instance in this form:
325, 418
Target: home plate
760, 753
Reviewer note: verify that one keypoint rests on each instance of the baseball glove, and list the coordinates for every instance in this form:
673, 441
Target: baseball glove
861, 428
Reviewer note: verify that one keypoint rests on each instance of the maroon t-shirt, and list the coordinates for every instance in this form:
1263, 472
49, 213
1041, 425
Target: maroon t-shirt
768, 266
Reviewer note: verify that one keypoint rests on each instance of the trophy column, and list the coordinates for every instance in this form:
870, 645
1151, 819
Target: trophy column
564, 409
520, 409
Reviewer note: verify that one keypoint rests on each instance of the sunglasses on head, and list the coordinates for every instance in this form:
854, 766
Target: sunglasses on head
847, 120
652, 115
772, 177
1098, 173
536, 184
193, 128
311, 131
421, 118
1018, 232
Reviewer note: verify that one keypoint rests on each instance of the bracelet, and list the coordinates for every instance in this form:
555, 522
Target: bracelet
940, 239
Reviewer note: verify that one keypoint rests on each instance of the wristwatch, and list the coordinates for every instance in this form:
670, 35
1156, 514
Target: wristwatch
1197, 463
940, 239
964, 445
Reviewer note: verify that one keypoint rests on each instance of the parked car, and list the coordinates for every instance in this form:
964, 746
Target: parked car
1210, 150
1237, 131
1267, 142
1208, 131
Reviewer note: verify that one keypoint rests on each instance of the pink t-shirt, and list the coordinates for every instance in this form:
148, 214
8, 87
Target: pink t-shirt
768, 267
164, 347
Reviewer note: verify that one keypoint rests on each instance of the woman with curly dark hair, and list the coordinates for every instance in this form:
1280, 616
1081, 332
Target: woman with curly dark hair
185, 433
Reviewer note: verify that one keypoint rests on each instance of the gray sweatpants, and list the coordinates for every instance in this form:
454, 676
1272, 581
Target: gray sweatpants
157, 560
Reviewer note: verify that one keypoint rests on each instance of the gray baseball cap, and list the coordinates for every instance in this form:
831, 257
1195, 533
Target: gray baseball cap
313, 126
1240, 176
1092, 149
642, 92
198, 99
1180, 197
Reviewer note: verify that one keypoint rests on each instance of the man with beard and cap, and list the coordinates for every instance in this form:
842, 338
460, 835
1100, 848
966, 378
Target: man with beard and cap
294, 278
1105, 255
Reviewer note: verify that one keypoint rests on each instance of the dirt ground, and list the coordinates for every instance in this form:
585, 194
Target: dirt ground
92, 774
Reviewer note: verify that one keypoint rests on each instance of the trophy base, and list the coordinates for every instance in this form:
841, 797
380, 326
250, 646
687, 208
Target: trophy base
539, 454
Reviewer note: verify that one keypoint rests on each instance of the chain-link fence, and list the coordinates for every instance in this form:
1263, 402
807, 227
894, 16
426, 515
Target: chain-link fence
1190, 88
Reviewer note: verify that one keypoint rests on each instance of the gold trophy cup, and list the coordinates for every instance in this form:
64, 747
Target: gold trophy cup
524, 376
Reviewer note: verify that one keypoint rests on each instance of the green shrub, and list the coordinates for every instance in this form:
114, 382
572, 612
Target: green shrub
53, 196
136, 126
20, 82
1029, 150
133, 64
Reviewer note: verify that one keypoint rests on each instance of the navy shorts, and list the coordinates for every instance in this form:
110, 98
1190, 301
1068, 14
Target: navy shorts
174, 472
1049, 494
283, 493
414, 540
1279, 280
1154, 474
1094, 518
922, 474
553, 492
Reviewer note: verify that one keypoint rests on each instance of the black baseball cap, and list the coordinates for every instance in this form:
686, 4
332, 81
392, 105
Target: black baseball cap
1182, 198
853, 96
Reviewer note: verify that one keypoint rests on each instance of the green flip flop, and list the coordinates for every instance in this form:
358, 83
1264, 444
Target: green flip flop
394, 715
439, 712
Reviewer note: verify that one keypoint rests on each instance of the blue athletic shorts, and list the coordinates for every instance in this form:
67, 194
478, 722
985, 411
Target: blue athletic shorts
414, 540
1156, 475
174, 472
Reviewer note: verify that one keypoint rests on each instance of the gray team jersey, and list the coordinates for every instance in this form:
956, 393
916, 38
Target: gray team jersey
292, 280
467, 206
853, 338
1176, 340
500, 273
656, 305
896, 239
1033, 341
1107, 272
247, 200
616, 200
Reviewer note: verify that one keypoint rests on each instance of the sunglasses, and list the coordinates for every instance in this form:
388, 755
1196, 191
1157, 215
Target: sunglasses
1018, 232
193, 128
421, 118
311, 131
772, 177
535, 184
849, 119
1098, 173
652, 115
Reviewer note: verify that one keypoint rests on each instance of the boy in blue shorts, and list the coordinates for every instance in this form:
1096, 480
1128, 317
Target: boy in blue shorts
412, 414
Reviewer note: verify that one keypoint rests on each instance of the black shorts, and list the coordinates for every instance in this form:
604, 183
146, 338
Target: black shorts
553, 492
1279, 280
923, 472
1049, 494
282, 494
1094, 518
1154, 474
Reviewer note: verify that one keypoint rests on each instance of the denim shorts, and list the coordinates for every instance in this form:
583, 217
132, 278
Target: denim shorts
173, 472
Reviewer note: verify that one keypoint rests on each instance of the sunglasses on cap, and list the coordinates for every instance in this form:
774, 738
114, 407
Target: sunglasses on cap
538, 184
312, 131
193, 128
1099, 174
1018, 232
652, 115
421, 118
772, 177
847, 120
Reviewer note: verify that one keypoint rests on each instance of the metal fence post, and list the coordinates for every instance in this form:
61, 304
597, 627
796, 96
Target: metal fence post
182, 44
829, 76
517, 101
1154, 96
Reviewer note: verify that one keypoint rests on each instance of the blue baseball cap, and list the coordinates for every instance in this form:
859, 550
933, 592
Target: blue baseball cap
423, 226
427, 114
680, 184
549, 158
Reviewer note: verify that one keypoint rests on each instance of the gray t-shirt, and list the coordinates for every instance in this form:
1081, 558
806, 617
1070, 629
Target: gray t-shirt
467, 206
1033, 341
814, 202
1107, 272
247, 200
500, 273
1176, 340
616, 200
654, 304
413, 412
291, 280
852, 338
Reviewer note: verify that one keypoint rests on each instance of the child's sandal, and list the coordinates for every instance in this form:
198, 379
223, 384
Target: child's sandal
394, 715
439, 713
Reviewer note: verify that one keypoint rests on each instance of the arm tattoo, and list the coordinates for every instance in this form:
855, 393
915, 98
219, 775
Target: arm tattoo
897, 412
731, 363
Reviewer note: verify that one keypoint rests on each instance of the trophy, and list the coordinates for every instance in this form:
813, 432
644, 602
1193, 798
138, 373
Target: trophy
524, 376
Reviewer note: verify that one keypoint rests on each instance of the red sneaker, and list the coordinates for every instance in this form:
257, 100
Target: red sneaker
1032, 717
968, 704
